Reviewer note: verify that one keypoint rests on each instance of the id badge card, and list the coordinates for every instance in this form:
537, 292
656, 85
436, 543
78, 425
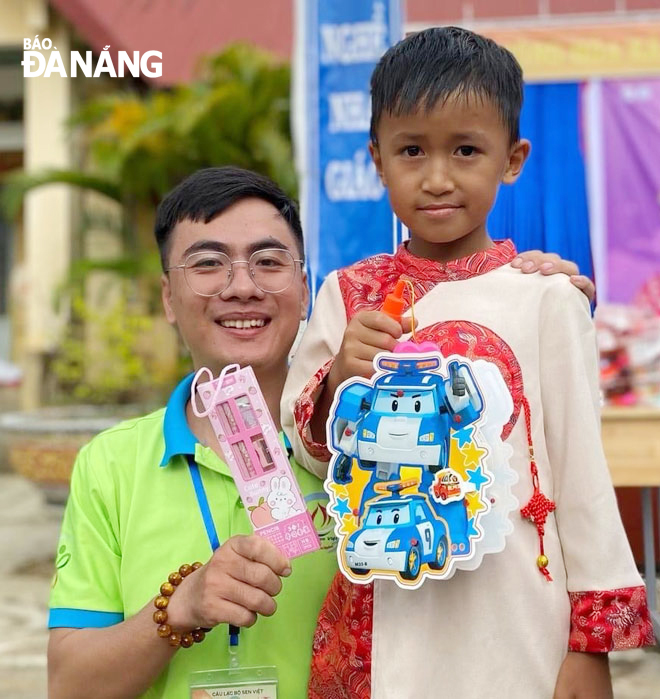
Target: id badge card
235, 683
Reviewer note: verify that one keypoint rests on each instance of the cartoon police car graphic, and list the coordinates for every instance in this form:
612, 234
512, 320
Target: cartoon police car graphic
417, 426
398, 533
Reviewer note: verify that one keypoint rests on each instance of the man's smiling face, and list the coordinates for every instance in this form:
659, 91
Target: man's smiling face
242, 324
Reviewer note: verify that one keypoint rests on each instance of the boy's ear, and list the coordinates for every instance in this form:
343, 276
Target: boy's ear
375, 156
517, 157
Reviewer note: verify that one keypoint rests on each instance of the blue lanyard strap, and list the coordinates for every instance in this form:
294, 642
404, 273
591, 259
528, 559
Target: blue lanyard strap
211, 532
203, 503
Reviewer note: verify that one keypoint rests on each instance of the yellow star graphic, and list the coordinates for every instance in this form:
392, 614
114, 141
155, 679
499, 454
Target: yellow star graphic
457, 462
472, 454
474, 504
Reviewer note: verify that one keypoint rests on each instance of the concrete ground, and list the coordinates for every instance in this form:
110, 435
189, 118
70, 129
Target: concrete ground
28, 536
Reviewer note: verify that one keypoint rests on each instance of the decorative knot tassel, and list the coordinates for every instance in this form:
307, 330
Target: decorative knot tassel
539, 506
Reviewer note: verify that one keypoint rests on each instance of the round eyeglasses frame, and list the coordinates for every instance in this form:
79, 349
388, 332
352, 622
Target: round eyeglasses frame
185, 266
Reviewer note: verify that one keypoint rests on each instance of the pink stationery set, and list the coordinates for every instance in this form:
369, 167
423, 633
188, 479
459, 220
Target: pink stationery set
257, 460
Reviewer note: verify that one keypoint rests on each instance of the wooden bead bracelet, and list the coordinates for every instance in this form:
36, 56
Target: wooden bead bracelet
185, 640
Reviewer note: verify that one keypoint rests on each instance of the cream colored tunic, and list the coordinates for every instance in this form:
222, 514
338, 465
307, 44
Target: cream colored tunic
501, 631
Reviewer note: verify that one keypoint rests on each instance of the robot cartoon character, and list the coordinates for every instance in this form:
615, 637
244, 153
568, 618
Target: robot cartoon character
405, 418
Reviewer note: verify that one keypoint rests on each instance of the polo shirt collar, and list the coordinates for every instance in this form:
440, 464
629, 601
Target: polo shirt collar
178, 436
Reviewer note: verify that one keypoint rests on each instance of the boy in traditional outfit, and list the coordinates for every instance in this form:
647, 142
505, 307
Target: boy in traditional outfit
538, 619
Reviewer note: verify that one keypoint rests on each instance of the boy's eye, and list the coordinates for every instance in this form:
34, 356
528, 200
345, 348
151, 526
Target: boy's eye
412, 151
467, 151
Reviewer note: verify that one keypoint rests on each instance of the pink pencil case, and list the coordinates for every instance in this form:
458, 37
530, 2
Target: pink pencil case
250, 445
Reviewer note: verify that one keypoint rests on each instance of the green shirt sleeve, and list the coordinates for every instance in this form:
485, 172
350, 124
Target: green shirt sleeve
86, 589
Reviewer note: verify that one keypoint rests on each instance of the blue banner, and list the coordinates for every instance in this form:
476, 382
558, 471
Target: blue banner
346, 215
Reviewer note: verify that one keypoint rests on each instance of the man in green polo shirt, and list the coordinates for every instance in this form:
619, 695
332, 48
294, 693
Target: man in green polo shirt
153, 493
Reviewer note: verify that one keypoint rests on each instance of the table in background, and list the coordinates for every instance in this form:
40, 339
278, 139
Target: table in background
631, 439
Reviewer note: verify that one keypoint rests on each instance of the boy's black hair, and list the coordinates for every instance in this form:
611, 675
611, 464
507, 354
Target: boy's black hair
441, 62
207, 193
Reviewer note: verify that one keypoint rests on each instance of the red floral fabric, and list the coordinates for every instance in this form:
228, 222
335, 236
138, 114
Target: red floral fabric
304, 409
341, 655
476, 341
610, 620
365, 284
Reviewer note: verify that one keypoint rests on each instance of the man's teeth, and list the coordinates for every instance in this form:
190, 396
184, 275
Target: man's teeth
247, 323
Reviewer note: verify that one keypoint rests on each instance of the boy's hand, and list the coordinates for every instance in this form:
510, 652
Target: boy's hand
584, 676
368, 333
550, 263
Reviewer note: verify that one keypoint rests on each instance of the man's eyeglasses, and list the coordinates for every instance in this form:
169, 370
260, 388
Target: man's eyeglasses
209, 273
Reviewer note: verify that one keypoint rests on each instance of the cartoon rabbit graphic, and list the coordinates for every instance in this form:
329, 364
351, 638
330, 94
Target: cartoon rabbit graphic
281, 499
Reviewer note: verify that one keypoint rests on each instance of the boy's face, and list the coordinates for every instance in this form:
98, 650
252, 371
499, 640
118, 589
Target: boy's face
442, 170
208, 324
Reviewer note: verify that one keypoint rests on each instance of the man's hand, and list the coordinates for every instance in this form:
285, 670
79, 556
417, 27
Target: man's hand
584, 676
239, 582
551, 263
368, 333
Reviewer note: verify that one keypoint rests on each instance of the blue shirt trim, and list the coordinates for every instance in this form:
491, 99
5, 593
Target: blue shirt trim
178, 436
82, 618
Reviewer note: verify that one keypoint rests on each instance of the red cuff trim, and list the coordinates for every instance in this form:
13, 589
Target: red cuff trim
304, 409
609, 620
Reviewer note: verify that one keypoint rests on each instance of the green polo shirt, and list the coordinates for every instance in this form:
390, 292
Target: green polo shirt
136, 513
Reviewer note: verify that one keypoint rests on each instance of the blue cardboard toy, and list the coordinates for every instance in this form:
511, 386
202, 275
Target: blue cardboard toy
416, 451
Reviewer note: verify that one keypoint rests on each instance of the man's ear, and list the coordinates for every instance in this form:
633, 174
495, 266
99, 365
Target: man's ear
375, 156
304, 301
166, 296
517, 157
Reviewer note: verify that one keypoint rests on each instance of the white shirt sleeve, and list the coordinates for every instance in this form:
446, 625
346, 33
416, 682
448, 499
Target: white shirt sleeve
311, 364
596, 552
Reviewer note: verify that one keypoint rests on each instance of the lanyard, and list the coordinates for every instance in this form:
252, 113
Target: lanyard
212, 534
209, 524
203, 503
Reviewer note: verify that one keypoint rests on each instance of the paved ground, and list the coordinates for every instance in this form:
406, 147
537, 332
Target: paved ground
28, 537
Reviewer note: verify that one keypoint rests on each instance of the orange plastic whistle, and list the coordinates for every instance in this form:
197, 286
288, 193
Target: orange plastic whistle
394, 303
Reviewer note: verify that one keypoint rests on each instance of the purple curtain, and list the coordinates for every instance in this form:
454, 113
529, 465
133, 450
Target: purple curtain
631, 131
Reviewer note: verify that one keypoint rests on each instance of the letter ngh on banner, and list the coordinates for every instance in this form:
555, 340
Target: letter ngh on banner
346, 215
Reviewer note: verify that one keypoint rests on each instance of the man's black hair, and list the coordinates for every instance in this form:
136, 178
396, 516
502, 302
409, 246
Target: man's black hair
443, 62
207, 193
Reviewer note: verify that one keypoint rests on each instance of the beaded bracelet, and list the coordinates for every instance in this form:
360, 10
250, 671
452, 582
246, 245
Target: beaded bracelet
185, 640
